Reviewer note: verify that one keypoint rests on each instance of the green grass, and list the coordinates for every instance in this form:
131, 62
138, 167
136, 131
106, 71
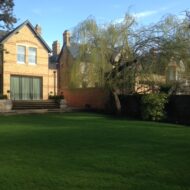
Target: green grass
91, 151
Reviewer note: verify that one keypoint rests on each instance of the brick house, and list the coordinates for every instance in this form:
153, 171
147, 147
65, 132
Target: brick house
76, 95
25, 70
66, 59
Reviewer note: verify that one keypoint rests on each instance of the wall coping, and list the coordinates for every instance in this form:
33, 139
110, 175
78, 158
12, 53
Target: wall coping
5, 105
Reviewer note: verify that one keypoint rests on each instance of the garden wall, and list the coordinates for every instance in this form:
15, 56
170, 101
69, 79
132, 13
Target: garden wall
95, 98
131, 105
177, 109
5, 105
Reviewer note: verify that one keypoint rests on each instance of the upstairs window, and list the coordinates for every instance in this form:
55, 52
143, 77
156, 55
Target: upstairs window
21, 54
32, 55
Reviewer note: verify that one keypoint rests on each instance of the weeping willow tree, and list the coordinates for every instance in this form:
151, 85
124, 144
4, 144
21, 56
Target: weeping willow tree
173, 46
90, 64
158, 44
174, 38
115, 55
102, 51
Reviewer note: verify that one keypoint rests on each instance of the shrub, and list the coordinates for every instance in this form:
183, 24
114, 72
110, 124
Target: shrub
153, 106
57, 98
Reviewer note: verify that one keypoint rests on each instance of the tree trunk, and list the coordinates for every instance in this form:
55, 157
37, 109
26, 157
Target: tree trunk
117, 102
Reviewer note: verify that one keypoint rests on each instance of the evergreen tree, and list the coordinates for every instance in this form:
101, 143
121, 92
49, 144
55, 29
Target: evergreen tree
7, 18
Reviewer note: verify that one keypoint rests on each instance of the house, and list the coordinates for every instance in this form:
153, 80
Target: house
66, 59
26, 72
75, 68
130, 77
80, 92
177, 76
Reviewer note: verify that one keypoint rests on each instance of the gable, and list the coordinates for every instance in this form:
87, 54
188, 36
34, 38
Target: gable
72, 50
25, 33
24, 37
65, 58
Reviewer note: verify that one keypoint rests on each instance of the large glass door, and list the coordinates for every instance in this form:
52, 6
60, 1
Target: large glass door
25, 92
26, 88
36, 88
15, 88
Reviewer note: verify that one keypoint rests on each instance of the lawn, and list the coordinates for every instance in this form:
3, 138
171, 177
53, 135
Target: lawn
91, 151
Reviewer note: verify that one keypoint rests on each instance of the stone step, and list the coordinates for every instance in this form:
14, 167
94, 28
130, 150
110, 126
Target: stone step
47, 104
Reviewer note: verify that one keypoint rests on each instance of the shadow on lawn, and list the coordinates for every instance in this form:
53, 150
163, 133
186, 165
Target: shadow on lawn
78, 120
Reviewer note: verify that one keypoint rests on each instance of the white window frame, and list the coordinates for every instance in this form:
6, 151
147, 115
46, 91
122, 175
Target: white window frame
21, 62
32, 63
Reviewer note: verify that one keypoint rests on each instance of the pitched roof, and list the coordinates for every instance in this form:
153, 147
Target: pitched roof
73, 50
4, 36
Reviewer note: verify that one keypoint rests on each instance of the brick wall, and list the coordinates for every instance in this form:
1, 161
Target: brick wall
95, 98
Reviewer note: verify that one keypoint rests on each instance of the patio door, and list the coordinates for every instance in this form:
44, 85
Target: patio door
26, 88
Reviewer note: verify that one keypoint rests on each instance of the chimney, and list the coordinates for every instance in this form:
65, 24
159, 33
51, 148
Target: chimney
38, 29
66, 38
56, 47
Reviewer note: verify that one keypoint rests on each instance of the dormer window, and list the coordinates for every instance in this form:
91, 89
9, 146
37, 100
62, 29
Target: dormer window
32, 55
21, 54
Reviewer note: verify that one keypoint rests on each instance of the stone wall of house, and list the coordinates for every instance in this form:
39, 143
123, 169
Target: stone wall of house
27, 38
95, 98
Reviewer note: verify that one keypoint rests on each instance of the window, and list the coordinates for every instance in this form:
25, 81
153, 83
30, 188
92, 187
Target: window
21, 54
173, 74
32, 55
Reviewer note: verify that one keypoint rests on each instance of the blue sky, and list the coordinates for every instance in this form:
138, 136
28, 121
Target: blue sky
55, 16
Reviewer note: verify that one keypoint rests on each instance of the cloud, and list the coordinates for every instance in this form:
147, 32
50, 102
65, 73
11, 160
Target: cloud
181, 16
149, 13
118, 21
145, 14
142, 15
138, 15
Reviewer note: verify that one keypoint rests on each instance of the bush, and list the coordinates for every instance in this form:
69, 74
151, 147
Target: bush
57, 98
153, 106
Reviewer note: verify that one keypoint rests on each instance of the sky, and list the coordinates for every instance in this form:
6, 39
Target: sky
56, 16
